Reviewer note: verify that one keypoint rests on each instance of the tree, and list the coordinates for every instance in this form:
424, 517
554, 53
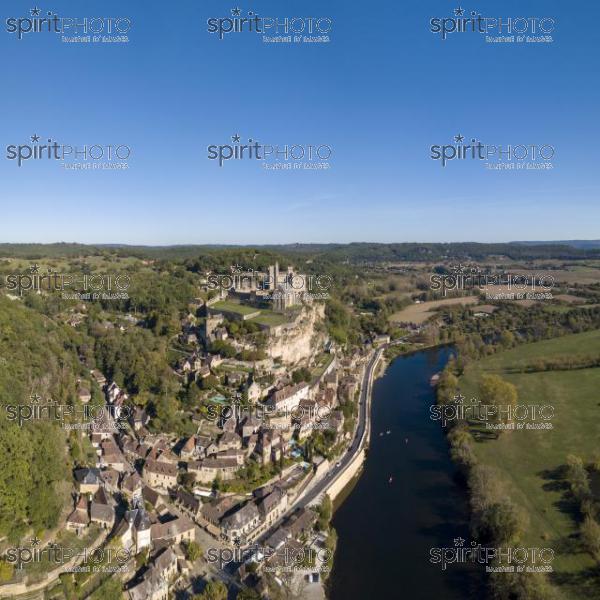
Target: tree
223, 348
6, 570
577, 477
499, 394
248, 594
590, 536
188, 480
504, 522
193, 551
507, 339
302, 374
324, 511
214, 590
209, 382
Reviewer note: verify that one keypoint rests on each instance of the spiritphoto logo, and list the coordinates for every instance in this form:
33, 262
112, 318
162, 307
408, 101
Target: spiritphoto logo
83, 286
240, 278
469, 278
78, 158
290, 559
497, 157
501, 29
508, 559
70, 417
70, 29
263, 412
495, 416
272, 157
281, 30
59, 555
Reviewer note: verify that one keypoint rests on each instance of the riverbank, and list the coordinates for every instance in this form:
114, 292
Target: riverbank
528, 466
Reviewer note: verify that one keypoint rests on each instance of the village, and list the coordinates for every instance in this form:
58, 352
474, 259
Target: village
172, 499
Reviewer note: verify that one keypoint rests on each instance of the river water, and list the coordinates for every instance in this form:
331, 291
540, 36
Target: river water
386, 529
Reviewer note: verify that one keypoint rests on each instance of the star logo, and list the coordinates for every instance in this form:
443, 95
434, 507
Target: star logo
33, 269
236, 12
237, 542
35, 138
458, 138
35, 12
459, 398
35, 541
459, 269
35, 398
235, 138
459, 12
459, 541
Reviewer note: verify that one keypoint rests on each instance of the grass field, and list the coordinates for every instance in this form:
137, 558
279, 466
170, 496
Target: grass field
270, 318
527, 458
419, 313
234, 307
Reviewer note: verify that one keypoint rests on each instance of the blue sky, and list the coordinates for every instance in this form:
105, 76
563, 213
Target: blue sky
380, 93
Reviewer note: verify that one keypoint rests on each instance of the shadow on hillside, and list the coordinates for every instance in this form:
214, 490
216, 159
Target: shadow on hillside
555, 479
586, 581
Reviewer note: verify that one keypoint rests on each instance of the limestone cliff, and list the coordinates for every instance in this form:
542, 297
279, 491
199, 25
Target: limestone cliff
299, 343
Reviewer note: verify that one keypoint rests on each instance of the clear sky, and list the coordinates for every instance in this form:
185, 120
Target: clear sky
380, 93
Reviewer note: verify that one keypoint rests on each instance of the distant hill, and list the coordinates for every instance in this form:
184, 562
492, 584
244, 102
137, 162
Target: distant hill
580, 244
356, 252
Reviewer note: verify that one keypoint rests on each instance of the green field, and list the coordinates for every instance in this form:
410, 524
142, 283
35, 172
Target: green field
527, 458
234, 307
270, 318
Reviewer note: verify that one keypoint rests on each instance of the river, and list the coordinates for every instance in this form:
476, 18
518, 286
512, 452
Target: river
386, 529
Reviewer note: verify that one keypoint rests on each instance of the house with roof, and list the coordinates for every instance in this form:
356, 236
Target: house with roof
206, 470
211, 513
79, 519
110, 479
278, 538
139, 418
180, 529
301, 522
188, 450
84, 394
242, 524
187, 502
112, 457
203, 441
87, 481
229, 424
155, 581
229, 441
237, 455
115, 395
160, 474
102, 510
134, 530
250, 425
272, 506
289, 397
132, 485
